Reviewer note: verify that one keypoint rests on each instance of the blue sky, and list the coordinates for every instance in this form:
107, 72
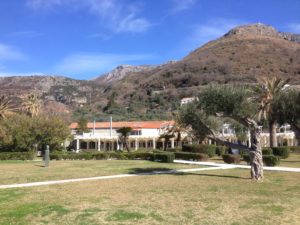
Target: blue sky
85, 38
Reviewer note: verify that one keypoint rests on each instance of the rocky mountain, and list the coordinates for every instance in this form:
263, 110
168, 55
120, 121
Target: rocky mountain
150, 92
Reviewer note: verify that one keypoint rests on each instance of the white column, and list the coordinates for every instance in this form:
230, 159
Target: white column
154, 143
87, 145
136, 144
172, 142
99, 145
77, 145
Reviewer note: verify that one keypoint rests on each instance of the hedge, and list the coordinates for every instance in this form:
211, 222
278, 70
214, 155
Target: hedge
230, 158
167, 157
161, 156
268, 160
191, 156
210, 150
221, 150
17, 155
267, 151
282, 152
271, 160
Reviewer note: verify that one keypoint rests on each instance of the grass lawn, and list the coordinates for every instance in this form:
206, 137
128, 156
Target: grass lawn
207, 197
31, 171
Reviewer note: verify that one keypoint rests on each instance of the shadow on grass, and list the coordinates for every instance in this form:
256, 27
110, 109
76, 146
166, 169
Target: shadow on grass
149, 170
40, 165
162, 171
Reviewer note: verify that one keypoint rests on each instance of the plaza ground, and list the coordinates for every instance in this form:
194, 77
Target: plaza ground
205, 197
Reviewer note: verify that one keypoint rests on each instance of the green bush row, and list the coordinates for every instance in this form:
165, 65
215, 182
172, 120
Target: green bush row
17, 155
191, 156
100, 155
210, 150
269, 160
167, 157
160, 157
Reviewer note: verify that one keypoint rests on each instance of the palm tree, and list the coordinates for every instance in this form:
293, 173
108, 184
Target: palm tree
6, 107
124, 134
32, 104
268, 91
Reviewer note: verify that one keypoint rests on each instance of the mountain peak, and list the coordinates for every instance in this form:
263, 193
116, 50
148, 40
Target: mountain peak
260, 29
257, 29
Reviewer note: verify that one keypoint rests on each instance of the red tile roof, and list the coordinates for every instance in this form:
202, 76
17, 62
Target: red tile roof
133, 124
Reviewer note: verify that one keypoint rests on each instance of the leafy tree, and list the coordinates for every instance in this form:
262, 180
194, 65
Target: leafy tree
124, 134
82, 125
32, 105
228, 102
6, 107
266, 93
52, 131
287, 107
24, 133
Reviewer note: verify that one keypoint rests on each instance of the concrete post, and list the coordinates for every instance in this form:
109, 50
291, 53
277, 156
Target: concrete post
46, 156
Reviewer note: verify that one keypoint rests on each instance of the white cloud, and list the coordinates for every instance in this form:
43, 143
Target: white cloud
181, 5
8, 53
294, 28
117, 15
96, 63
133, 24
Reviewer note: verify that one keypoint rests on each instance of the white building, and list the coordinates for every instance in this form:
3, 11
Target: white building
103, 136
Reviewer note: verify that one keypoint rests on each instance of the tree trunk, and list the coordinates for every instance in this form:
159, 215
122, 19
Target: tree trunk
255, 154
272, 131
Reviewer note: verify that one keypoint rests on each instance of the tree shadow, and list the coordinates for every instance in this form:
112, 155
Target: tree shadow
40, 165
162, 171
150, 170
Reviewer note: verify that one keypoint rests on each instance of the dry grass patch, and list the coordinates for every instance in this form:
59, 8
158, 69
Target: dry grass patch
206, 197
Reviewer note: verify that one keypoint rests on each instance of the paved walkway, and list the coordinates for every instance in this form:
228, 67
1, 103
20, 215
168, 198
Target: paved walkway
228, 166
213, 166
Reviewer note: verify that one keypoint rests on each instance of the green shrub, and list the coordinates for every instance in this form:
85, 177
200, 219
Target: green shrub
268, 160
231, 159
221, 150
271, 160
167, 157
56, 156
191, 156
246, 158
283, 152
17, 155
267, 151
243, 152
174, 150
101, 155
210, 150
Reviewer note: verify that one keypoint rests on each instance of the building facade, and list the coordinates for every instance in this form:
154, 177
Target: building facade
103, 136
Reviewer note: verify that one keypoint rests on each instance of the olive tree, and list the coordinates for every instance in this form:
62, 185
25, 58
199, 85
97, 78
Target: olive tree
217, 102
